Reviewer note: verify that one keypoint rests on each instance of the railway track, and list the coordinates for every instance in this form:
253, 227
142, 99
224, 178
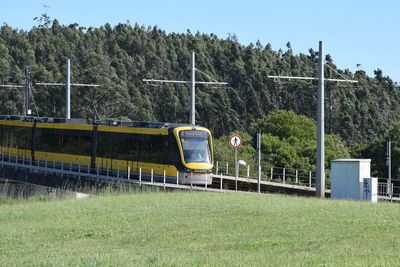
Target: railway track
23, 171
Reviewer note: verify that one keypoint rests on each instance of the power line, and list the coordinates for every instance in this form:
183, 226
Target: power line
311, 78
11, 86
64, 84
320, 186
183, 82
192, 82
68, 85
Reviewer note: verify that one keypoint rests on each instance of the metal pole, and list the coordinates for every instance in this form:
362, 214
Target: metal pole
389, 161
25, 92
164, 177
236, 169
27, 109
272, 173
192, 93
320, 187
68, 96
140, 176
259, 160
284, 175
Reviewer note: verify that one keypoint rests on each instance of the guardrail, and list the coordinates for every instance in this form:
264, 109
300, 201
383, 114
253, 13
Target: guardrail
389, 190
269, 173
148, 176
118, 173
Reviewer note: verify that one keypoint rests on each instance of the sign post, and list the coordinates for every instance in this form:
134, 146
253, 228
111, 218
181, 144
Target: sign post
235, 141
259, 160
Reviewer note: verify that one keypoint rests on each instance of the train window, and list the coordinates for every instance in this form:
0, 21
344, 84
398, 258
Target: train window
23, 136
195, 146
151, 149
172, 153
117, 145
76, 142
64, 141
17, 137
48, 140
3, 136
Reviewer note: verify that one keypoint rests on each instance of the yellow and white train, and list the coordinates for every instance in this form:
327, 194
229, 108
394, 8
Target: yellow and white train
133, 147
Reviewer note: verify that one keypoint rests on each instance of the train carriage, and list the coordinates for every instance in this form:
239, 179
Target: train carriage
134, 147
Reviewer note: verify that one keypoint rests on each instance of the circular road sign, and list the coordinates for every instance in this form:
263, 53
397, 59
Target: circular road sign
235, 141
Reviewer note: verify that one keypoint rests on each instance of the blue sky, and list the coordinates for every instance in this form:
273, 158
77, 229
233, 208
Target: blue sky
354, 32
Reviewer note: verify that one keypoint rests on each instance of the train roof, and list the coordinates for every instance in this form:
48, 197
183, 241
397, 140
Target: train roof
115, 123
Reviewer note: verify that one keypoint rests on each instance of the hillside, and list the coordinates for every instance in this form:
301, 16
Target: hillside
120, 57
187, 229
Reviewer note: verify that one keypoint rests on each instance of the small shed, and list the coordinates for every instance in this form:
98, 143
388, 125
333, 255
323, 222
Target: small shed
347, 177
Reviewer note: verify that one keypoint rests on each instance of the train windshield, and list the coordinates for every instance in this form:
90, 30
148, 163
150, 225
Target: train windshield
195, 146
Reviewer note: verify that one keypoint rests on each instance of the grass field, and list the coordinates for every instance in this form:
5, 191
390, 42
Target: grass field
185, 229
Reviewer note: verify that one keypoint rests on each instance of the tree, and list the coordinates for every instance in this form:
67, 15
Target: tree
120, 57
289, 140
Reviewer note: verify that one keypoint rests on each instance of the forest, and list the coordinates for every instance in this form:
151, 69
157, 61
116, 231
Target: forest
358, 117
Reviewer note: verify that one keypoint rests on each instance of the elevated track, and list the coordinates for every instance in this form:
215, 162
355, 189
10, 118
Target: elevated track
74, 177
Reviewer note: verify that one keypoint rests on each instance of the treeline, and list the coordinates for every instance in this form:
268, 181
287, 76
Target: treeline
119, 57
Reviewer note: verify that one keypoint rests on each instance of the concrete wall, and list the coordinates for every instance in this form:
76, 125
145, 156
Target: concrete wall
22, 190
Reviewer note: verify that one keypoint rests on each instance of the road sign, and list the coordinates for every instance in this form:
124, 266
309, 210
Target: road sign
235, 141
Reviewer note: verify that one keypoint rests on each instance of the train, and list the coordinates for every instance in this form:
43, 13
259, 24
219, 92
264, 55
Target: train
179, 151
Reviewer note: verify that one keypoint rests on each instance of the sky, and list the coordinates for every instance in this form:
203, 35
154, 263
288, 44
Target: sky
354, 32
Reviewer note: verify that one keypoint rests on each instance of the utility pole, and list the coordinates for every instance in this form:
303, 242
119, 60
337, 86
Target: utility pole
193, 92
388, 154
192, 82
259, 160
68, 93
68, 85
320, 184
27, 92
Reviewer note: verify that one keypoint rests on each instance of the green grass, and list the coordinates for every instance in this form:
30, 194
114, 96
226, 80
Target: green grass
185, 229
6, 200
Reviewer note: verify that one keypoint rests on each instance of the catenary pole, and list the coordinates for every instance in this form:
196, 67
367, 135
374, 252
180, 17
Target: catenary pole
389, 164
68, 85
259, 160
320, 185
192, 86
68, 94
27, 108
193, 92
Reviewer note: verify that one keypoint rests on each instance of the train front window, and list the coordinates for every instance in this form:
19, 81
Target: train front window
195, 146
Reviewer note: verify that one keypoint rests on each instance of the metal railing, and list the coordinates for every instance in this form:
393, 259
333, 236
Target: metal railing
269, 173
106, 172
140, 175
389, 190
